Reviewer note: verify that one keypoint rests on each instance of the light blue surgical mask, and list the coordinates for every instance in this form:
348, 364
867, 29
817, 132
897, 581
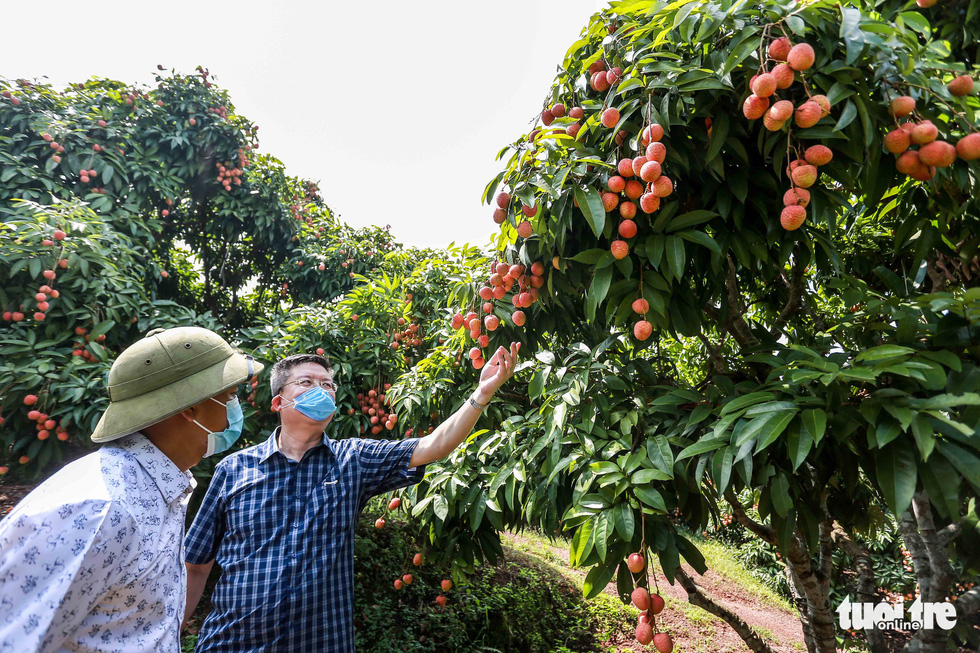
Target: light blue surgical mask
316, 403
219, 441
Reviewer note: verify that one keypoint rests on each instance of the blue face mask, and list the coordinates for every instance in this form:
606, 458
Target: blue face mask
219, 441
316, 403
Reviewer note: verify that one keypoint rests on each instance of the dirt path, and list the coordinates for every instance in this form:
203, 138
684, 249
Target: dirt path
691, 628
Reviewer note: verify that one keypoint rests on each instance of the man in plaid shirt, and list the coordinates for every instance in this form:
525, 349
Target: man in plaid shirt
279, 517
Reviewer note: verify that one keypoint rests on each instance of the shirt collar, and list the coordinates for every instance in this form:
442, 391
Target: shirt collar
271, 446
172, 483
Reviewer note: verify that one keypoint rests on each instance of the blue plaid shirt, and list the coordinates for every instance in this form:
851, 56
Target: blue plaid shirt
283, 535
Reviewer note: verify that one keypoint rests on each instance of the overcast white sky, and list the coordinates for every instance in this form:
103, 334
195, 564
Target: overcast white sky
397, 108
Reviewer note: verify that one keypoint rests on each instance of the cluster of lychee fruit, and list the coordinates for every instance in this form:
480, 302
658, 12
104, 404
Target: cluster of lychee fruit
45, 291
228, 174
920, 164
802, 172
504, 278
559, 111
649, 186
373, 403
79, 348
650, 605
407, 337
524, 228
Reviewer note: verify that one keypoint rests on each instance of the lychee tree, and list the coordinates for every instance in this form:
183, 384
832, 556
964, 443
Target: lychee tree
790, 190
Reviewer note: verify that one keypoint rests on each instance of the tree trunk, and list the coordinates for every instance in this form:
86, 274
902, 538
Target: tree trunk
696, 596
867, 585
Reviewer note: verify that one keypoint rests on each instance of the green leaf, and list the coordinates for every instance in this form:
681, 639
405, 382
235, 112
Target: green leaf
597, 291
815, 423
582, 542
603, 531
746, 400
702, 446
701, 238
782, 501
650, 497
883, 352
774, 429
597, 579
798, 444
625, 524
659, 452
590, 202
440, 507
690, 219
675, 256
895, 465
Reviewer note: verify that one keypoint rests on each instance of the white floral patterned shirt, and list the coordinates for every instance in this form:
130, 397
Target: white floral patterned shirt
93, 558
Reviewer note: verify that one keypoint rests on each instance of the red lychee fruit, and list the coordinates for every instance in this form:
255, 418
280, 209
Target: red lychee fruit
779, 49
634, 189
610, 117
547, 117
792, 217
610, 201
968, 147
446, 585
649, 202
627, 228
625, 167
524, 229
644, 632
635, 562
576, 112
804, 176
651, 134
801, 56
641, 306
937, 153
558, 111
650, 172
962, 85
616, 184
627, 210
901, 106
785, 76
924, 132
897, 141
519, 318
663, 186
818, 155
503, 200
642, 330
807, 114
755, 107
656, 152
619, 249
796, 196
663, 643
764, 85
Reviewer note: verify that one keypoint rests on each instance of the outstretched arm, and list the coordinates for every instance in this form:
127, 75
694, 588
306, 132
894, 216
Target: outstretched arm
448, 435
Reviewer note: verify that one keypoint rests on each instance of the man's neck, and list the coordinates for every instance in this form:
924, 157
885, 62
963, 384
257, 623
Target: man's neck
294, 443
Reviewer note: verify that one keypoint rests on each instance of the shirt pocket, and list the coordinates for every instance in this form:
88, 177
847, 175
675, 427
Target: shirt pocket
332, 506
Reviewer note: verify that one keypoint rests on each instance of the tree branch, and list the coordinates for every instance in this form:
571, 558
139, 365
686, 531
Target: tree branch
735, 324
794, 301
763, 531
867, 584
696, 596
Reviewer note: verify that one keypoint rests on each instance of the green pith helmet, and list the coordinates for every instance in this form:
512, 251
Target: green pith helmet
164, 373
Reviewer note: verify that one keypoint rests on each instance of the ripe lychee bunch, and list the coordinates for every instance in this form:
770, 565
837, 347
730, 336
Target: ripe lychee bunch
931, 151
522, 283
373, 404
601, 78
407, 337
558, 111
638, 186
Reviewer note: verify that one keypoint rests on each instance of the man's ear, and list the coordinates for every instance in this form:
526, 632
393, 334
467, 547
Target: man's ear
190, 414
276, 403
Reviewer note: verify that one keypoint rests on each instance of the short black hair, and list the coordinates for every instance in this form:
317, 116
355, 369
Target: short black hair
280, 371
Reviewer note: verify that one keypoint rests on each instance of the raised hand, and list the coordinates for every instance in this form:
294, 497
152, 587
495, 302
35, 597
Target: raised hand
498, 369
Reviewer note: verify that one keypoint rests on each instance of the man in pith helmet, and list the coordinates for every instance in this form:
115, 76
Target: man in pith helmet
93, 558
